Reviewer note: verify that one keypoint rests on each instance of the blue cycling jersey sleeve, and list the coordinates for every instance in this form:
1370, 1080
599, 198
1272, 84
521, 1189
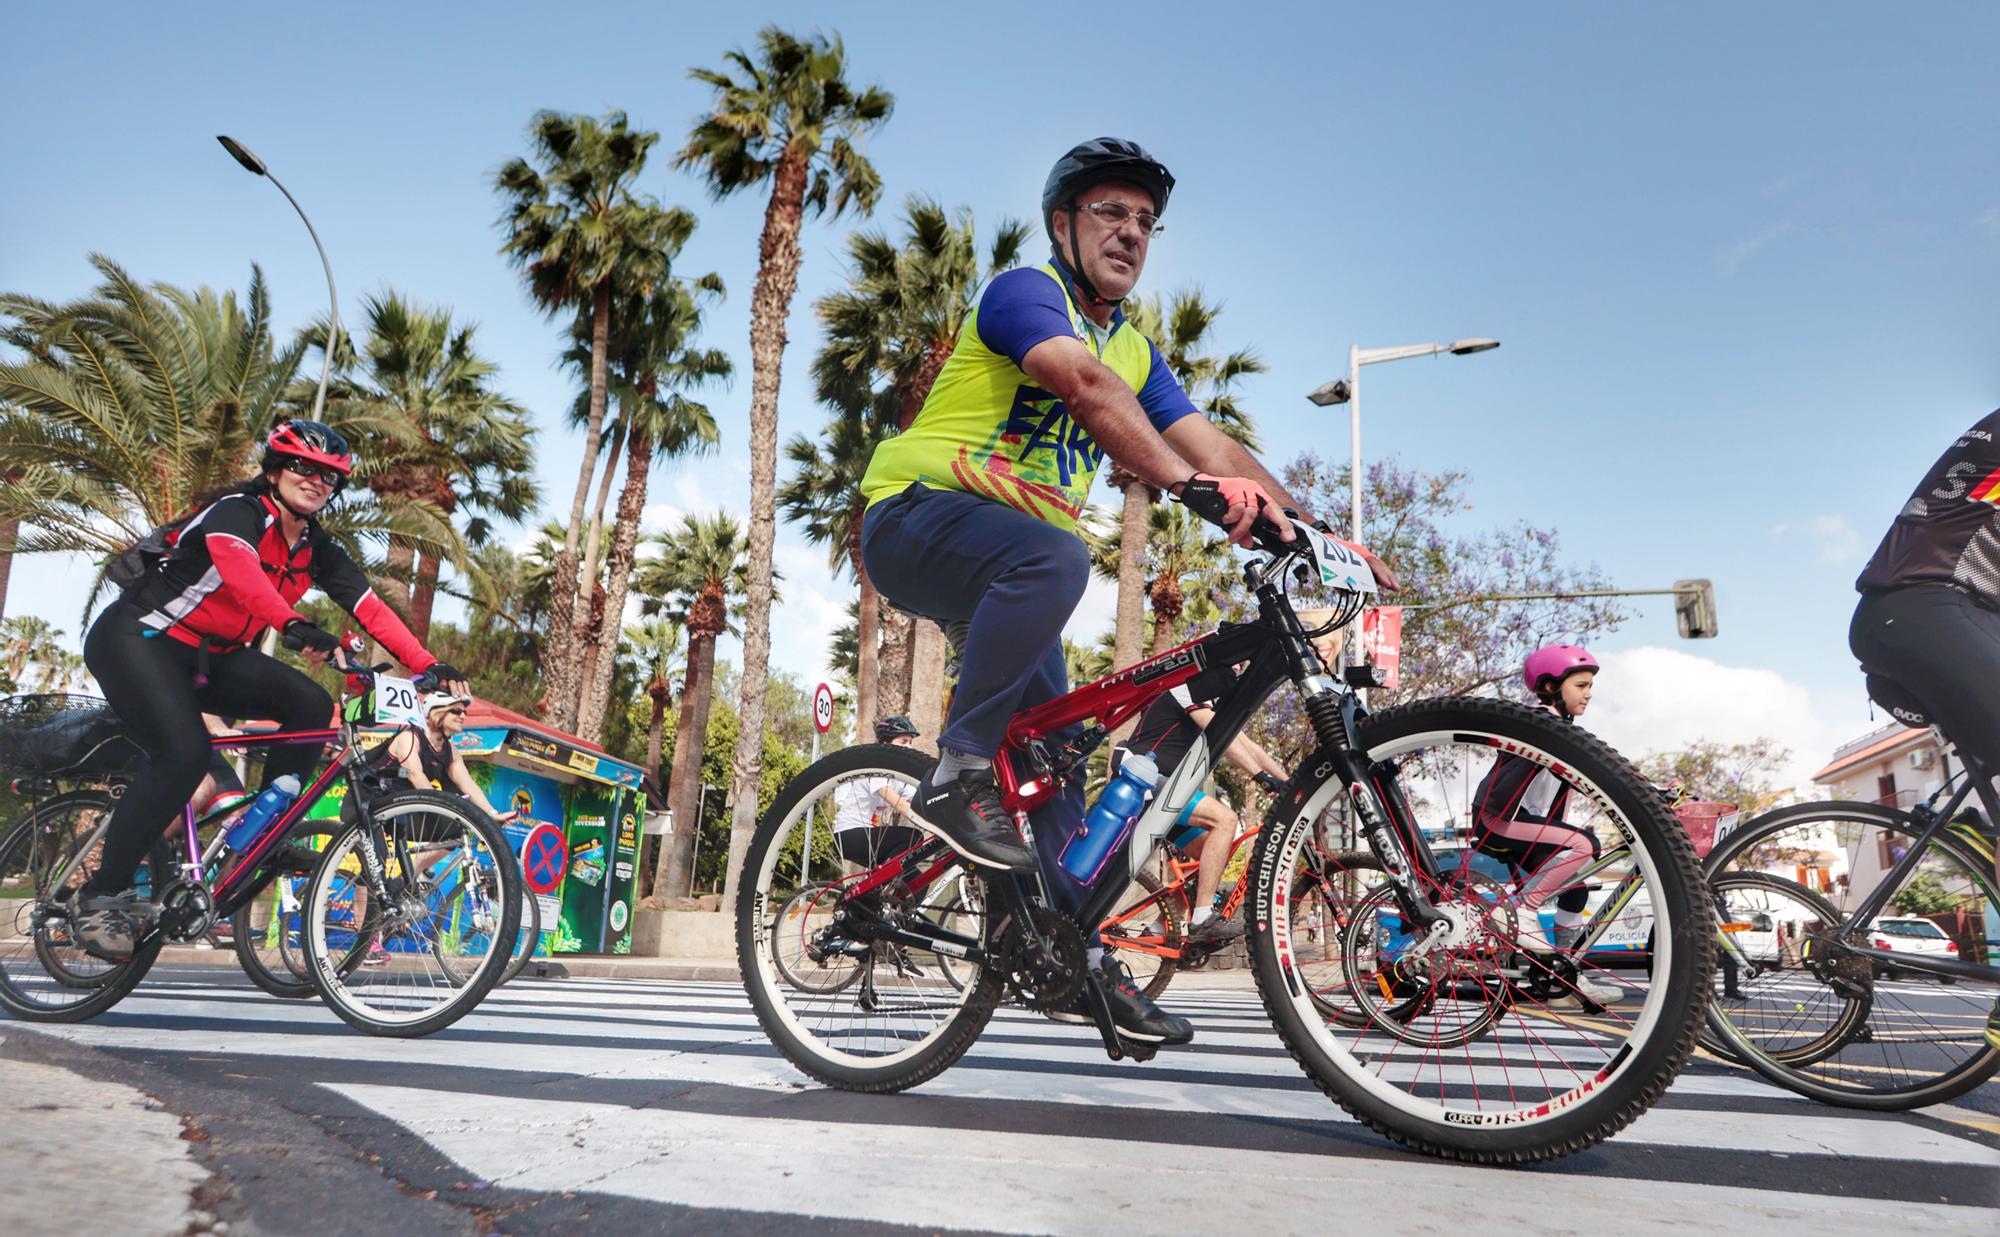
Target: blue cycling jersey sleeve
1162, 397
1020, 309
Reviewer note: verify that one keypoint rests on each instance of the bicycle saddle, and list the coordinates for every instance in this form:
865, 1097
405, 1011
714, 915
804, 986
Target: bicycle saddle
1894, 698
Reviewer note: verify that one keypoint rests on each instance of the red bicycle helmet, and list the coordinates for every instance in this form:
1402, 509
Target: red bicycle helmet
309, 440
1548, 666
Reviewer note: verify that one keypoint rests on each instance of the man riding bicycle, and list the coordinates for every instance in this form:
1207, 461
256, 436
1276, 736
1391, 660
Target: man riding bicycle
181, 641
972, 510
1929, 620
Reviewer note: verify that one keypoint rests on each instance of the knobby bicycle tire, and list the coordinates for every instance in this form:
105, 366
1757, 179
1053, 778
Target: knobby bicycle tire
1790, 1073
1664, 1033
106, 988
759, 896
329, 972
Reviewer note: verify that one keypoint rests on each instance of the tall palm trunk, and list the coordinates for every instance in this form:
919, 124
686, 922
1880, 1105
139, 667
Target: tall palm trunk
396, 578
590, 641
892, 677
770, 304
9, 529
618, 572
1131, 578
1168, 602
867, 635
927, 658
661, 692
675, 876
569, 596
423, 598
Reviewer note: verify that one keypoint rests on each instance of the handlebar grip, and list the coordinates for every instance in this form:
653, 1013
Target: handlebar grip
291, 642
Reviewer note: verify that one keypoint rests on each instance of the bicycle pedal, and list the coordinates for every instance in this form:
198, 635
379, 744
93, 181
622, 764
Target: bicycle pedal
1137, 1050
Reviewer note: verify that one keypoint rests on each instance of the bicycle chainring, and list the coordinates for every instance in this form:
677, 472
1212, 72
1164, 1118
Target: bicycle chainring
186, 910
1044, 980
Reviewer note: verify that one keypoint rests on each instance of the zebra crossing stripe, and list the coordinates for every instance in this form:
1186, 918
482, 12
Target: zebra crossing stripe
1035, 1183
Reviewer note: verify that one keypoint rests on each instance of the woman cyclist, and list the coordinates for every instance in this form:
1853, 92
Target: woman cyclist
179, 642
427, 758
1518, 818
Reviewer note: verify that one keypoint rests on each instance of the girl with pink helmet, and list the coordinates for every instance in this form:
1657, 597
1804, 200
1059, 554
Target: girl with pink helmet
1518, 819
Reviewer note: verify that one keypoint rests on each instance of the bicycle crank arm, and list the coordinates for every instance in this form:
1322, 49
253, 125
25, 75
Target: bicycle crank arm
1100, 1013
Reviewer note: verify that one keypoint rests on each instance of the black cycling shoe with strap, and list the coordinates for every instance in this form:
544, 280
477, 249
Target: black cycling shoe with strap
967, 811
1133, 1012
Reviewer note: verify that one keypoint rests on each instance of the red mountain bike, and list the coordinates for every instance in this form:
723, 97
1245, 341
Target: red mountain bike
879, 979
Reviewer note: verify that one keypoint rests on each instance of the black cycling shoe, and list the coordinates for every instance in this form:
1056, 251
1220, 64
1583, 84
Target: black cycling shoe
967, 812
1134, 1013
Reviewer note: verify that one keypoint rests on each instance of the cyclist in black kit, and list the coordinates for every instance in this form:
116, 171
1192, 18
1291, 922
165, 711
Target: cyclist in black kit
1929, 618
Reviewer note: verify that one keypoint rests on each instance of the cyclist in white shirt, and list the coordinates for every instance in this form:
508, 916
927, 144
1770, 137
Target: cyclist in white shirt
865, 807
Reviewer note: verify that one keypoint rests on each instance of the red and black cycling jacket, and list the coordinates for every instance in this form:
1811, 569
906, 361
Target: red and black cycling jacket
230, 576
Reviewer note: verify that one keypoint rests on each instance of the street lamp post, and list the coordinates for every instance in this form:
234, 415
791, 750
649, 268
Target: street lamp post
251, 163
1348, 391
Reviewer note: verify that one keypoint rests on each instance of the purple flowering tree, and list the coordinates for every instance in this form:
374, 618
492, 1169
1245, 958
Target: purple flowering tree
1418, 523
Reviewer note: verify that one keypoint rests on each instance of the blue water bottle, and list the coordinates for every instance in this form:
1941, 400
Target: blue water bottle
270, 805
1111, 819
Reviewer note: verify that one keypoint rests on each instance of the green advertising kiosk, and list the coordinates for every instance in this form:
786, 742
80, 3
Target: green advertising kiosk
588, 887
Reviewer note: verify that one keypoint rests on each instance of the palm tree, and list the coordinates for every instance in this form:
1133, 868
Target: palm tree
657, 643
654, 364
1188, 562
24, 641
472, 453
579, 232
133, 401
1180, 328
9, 529
824, 499
701, 567
789, 118
59, 669
888, 334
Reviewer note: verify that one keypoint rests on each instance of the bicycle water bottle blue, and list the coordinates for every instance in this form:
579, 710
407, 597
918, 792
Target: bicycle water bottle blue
270, 805
1111, 819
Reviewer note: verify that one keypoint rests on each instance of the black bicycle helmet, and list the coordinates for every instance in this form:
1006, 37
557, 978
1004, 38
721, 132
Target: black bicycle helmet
895, 728
1093, 163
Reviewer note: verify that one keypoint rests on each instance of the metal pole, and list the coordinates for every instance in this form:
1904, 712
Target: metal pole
1354, 441
257, 167
333, 300
805, 852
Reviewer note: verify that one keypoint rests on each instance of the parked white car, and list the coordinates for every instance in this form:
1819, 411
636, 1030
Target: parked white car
1910, 934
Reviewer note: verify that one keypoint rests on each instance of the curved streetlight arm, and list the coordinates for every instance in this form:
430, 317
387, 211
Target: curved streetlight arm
256, 166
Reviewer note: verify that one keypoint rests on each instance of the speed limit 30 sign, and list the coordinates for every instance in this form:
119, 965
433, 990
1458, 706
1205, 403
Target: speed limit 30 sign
823, 708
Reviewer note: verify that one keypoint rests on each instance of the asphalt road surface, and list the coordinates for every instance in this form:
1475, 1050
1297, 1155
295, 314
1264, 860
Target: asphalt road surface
629, 1105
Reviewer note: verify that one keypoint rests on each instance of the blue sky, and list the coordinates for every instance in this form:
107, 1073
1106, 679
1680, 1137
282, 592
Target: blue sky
1741, 257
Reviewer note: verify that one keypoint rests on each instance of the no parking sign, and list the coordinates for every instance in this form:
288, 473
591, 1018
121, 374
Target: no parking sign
543, 857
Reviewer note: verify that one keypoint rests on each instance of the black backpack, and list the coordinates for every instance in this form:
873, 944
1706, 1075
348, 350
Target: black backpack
135, 563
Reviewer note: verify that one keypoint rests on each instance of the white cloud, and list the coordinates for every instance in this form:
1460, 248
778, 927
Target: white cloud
1831, 535
1653, 699
1990, 221
1743, 250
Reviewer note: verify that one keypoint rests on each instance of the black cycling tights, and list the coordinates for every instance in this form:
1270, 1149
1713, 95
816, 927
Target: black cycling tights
149, 683
1942, 648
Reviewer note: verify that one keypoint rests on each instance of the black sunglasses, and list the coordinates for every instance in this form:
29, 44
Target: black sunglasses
306, 468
